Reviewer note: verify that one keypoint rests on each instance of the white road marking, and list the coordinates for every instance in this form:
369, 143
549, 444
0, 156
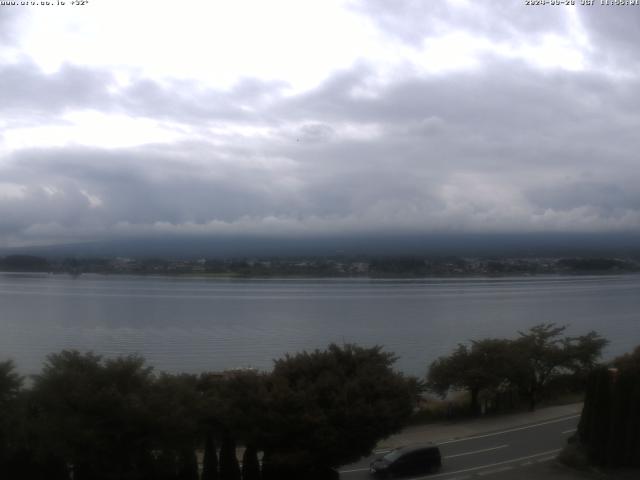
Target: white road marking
545, 459
569, 431
513, 460
476, 451
353, 470
557, 420
495, 470
476, 468
448, 456
517, 429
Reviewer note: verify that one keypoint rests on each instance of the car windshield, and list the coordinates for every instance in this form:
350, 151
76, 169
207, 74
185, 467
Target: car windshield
393, 455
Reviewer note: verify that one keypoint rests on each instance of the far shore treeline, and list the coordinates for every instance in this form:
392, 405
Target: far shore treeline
88, 417
384, 266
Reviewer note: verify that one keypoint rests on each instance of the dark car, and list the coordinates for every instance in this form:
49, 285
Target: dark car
407, 461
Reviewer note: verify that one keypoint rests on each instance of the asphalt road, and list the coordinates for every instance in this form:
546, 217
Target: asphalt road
488, 454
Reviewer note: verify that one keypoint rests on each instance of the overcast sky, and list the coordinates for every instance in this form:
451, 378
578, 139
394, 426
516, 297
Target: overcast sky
313, 117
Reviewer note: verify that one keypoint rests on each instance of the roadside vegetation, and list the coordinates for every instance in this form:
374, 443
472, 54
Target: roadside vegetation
608, 434
543, 365
87, 417
499, 374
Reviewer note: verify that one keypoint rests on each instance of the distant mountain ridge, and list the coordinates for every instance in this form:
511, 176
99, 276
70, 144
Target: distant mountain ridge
499, 245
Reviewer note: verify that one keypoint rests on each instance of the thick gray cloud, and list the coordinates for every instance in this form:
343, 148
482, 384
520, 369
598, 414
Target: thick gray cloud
413, 20
608, 197
185, 101
27, 90
507, 146
136, 186
613, 32
9, 24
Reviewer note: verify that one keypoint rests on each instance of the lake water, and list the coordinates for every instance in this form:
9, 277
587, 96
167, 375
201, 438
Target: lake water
193, 324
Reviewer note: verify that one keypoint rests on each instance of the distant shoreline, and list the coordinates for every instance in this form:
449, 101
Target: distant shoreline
201, 276
327, 267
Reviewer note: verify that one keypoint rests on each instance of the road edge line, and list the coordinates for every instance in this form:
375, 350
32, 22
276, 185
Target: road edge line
504, 462
514, 429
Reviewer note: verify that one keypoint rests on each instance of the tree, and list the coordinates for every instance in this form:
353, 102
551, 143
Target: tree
210, 460
583, 352
10, 386
188, 465
229, 467
482, 366
609, 428
235, 403
94, 414
174, 402
529, 363
166, 465
10, 382
24, 263
331, 407
101, 419
542, 354
233, 406
628, 361
250, 464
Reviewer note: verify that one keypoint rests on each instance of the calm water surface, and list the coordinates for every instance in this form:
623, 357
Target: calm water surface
187, 324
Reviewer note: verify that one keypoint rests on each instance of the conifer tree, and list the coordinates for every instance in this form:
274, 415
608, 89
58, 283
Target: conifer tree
188, 467
210, 460
609, 428
229, 467
167, 467
250, 464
